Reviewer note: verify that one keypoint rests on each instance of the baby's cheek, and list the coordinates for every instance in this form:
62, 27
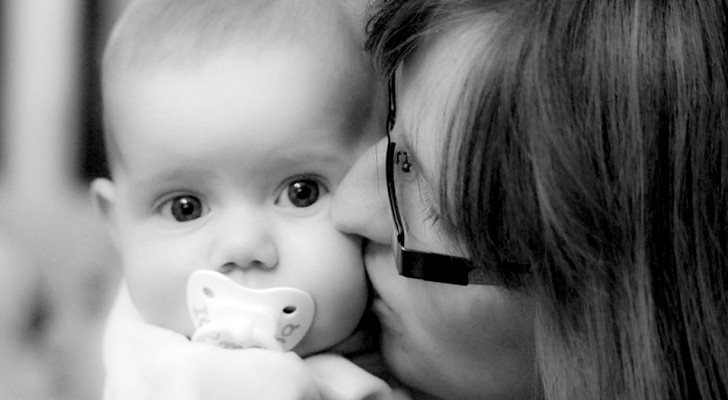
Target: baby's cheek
334, 323
348, 308
341, 296
159, 295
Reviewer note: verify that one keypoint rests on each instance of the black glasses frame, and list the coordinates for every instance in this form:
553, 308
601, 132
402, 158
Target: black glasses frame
416, 264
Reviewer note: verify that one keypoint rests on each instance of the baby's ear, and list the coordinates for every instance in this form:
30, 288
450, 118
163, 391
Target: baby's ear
103, 195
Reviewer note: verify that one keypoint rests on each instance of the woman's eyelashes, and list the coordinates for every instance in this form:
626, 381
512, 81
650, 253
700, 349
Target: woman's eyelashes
430, 212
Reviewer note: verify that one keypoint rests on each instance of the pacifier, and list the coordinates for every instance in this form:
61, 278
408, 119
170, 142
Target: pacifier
229, 315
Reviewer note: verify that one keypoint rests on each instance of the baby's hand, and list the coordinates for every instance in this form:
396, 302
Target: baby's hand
216, 373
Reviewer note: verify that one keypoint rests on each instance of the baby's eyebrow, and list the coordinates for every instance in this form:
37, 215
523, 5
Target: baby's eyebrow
175, 175
308, 155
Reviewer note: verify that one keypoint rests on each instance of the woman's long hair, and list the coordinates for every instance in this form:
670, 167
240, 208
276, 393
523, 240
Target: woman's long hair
592, 142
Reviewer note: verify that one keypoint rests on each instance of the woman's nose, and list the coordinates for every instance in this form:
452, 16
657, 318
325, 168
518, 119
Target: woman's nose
361, 203
244, 242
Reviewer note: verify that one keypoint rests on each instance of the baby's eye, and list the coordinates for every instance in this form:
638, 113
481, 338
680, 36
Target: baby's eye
301, 193
183, 208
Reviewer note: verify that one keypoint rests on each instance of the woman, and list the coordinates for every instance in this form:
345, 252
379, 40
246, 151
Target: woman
440, 339
576, 153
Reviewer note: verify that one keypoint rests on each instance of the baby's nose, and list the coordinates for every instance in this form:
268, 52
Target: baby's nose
245, 247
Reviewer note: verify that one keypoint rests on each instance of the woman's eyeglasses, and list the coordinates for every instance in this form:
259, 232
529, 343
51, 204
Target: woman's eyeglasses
434, 267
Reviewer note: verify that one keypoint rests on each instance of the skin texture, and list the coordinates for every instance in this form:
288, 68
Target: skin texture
236, 132
443, 341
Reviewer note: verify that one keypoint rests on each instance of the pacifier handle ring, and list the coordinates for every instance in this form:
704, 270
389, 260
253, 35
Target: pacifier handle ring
214, 333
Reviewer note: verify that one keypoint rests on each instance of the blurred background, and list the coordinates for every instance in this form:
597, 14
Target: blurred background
58, 271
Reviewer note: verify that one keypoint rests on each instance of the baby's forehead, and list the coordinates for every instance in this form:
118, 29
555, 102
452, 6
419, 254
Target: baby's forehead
292, 102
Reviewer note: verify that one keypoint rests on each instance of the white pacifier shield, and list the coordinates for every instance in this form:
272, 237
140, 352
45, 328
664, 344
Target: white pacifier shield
232, 316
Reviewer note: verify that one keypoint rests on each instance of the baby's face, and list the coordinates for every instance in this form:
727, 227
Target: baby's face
230, 166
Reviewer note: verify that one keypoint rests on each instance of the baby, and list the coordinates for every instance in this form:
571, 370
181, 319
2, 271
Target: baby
228, 126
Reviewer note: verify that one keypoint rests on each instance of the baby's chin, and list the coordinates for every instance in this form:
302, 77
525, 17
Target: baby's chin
312, 345
320, 340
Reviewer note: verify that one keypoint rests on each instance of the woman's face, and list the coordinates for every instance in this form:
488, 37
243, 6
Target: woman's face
443, 340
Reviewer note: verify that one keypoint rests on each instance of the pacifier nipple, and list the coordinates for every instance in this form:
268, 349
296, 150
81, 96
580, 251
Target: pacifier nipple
232, 316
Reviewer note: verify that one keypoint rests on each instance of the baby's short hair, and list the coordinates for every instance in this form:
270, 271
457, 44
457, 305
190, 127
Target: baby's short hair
184, 32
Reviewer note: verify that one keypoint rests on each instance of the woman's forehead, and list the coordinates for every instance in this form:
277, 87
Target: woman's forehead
454, 48
430, 82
